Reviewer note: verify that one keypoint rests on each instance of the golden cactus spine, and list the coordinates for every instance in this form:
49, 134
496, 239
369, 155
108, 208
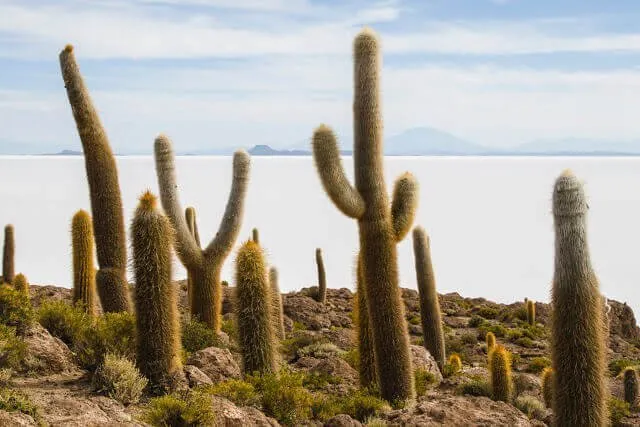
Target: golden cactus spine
106, 203
630, 386
500, 372
203, 265
429, 304
84, 272
253, 305
531, 312
21, 284
577, 339
547, 386
8, 254
380, 224
276, 301
322, 278
157, 316
491, 341
367, 363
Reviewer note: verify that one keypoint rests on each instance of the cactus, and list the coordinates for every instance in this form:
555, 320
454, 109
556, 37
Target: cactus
500, 371
455, 363
322, 278
380, 226
253, 311
547, 386
531, 312
276, 301
367, 363
106, 203
491, 341
255, 235
577, 339
84, 272
21, 284
630, 386
429, 304
8, 266
203, 265
157, 317
190, 218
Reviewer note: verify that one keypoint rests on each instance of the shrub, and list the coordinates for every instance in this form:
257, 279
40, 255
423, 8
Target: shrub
299, 340
63, 320
15, 309
112, 333
423, 379
180, 409
618, 409
319, 380
476, 321
469, 338
453, 344
352, 358
361, 406
525, 342
414, 320
320, 350
538, 364
15, 401
520, 313
475, 388
498, 330
487, 312
198, 335
619, 365
531, 406
118, 378
239, 392
376, 422
230, 328
12, 349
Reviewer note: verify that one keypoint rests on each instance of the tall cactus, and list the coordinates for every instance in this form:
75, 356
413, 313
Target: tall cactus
192, 224
500, 370
531, 312
158, 337
203, 265
429, 304
84, 272
547, 386
8, 254
322, 278
276, 301
21, 284
367, 363
380, 225
577, 340
630, 386
106, 203
253, 311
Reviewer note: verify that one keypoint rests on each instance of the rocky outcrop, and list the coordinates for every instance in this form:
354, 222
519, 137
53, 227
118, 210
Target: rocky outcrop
230, 415
216, 363
46, 354
422, 359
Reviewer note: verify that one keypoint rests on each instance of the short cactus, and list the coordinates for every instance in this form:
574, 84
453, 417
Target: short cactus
253, 306
547, 386
84, 272
322, 278
491, 341
203, 265
276, 301
21, 284
531, 312
157, 317
8, 255
106, 203
367, 363
500, 372
631, 386
381, 224
577, 339
455, 363
255, 235
429, 304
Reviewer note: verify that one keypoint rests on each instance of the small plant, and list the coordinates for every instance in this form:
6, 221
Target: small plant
189, 409
15, 401
319, 380
118, 378
469, 338
320, 350
63, 320
618, 409
476, 321
197, 336
242, 393
362, 406
423, 379
530, 406
15, 309
475, 388
12, 349
487, 312
630, 386
538, 364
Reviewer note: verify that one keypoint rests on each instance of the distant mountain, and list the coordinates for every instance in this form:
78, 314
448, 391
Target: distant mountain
265, 150
67, 153
424, 141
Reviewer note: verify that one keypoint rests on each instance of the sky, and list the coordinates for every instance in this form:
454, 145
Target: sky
236, 73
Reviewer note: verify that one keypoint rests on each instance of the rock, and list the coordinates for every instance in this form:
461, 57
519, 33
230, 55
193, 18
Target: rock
526, 383
622, 322
423, 359
307, 311
195, 376
342, 420
344, 338
229, 415
17, 419
217, 363
46, 354
456, 321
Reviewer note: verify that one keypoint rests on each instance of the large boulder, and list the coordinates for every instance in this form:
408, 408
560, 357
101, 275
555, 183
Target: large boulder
46, 354
424, 360
217, 363
230, 415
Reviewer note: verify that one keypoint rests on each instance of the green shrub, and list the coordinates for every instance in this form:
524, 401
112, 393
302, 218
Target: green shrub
476, 321
423, 379
475, 388
63, 320
530, 406
376, 422
15, 401
498, 330
325, 407
618, 409
15, 309
188, 409
111, 333
198, 335
362, 406
298, 340
469, 338
525, 342
352, 358
319, 380
12, 349
239, 392
230, 328
414, 320
320, 350
487, 312
618, 365
520, 313
453, 344
538, 364
118, 378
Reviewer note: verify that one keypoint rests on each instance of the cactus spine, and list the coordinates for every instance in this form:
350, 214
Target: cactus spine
367, 363
8, 254
380, 226
429, 304
491, 341
190, 217
254, 311
531, 312
322, 278
276, 301
203, 265
84, 272
547, 386
577, 339
106, 203
158, 338
500, 370
630, 386
21, 284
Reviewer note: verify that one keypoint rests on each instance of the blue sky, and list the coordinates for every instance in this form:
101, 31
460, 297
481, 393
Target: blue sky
229, 73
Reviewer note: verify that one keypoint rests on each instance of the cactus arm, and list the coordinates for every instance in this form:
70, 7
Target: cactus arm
185, 244
190, 217
404, 204
229, 228
334, 181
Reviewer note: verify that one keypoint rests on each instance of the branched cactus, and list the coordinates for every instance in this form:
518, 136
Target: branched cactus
547, 386
500, 370
429, 304
8, 255
106, 203
491, 341
203, 265
631, 386
21, 284
367, 363
381, 225
255, 235
84, 272
276, 301
577, 339
192, 224
157, 316
254, 310
322, 278
531, 312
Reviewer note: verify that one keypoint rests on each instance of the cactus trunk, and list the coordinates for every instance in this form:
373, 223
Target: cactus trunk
8, 255
276, 301
631, 387
322, 278
84, 272
367, 363
500, 370
531, 312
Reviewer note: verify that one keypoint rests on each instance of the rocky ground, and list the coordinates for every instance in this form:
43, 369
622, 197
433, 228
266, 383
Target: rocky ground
63, 396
